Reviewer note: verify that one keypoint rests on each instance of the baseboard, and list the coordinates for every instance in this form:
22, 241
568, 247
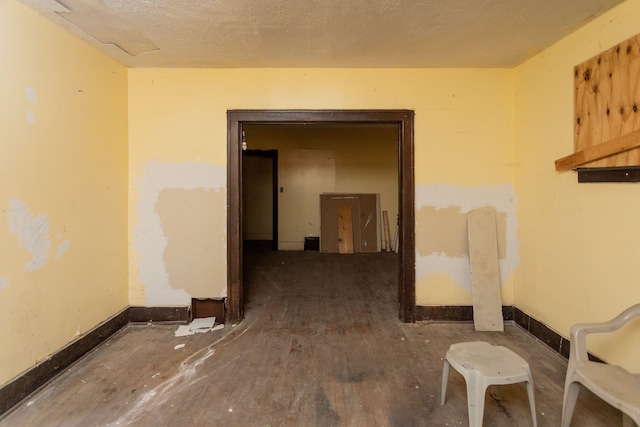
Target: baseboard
551, 338
30, 381
23, 386
159, 314
453, 313
464, 313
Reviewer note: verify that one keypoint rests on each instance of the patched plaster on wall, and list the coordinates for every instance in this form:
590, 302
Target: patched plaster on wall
194, 235
150, 240
441, 229
32, 231
447, 231
4, 282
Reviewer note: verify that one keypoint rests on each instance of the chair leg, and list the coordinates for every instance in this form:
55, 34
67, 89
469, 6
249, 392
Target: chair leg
445, 380
532, 401
570, 396
475, 402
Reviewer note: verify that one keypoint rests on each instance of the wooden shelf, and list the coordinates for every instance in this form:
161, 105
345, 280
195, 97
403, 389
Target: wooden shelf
600, 151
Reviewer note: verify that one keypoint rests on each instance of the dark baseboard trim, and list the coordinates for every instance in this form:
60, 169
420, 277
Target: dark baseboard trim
453, 313
464, 313
15, 391
159, 314
29, 382
551, 338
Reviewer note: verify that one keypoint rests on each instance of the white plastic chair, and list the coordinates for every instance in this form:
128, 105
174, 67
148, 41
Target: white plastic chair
611, 383
483, 365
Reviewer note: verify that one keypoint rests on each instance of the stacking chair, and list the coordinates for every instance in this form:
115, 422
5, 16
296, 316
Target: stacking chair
611, 383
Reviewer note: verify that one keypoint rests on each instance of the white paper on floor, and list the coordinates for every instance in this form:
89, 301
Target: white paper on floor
201, 325
183, 331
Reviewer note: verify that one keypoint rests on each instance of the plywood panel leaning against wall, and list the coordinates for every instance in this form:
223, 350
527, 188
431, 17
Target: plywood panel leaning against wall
607, 99
485, 270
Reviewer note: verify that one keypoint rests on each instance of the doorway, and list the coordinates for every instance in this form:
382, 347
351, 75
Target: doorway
260, 196
403, 119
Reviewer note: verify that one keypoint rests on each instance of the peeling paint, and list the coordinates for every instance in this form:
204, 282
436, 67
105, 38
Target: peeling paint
33, 233
150, 240
30, 117
446, 251
62, 248
30, 93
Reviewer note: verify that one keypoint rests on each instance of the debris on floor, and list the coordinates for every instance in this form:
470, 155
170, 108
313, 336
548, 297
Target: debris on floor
197, 326
203, 324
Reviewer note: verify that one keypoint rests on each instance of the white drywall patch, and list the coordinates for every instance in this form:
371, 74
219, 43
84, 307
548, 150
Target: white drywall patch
149, 239
62, 248
33, 233
4, 282
440, 196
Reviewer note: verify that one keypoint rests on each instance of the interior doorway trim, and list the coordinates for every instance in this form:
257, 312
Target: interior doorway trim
236, 119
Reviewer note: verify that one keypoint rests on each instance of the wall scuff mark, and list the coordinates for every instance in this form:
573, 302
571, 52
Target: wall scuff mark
33, 233
150, 239
30, 117
33, 99
4, 282
31, 95
448, 253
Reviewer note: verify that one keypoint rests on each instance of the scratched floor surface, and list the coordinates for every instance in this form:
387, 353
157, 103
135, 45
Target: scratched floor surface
320, 346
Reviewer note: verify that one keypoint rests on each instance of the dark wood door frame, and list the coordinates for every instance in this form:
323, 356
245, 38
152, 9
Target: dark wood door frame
236, 119
273, 155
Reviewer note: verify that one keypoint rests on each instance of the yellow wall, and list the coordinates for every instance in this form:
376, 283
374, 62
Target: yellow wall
579, 242
463, 146
63, 197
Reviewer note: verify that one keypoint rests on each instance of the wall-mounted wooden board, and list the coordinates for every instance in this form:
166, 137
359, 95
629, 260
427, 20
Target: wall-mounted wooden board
607, 100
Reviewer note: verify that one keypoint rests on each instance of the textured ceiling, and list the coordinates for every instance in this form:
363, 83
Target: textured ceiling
321, 33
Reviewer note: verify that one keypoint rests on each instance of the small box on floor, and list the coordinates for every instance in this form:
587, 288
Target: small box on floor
312, 243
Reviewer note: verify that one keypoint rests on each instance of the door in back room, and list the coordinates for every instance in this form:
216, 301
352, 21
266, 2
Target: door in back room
259, 197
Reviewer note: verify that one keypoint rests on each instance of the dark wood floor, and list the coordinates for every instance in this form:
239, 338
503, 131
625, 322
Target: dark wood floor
320, 346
